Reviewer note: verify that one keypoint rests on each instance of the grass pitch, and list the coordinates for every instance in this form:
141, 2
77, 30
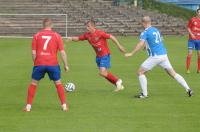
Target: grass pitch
94, 107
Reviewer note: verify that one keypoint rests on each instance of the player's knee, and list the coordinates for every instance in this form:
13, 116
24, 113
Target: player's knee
140, 73
34, 82
189, 54
102, 73
57, 82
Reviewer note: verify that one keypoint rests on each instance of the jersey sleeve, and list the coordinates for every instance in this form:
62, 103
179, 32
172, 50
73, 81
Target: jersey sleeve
34, 42
82, 37
105, 35
143, 36
60, 42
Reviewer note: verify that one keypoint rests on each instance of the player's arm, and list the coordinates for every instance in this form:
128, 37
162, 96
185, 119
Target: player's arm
33, 55
190, 32
62, 52
136, 48
34, 41
79, 38
64, 59
116, 42
189, 26
73, 39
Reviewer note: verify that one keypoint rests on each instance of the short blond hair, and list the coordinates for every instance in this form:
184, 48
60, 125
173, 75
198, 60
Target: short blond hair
146, 19
47, 22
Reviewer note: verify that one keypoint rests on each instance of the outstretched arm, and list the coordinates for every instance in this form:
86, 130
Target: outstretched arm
64, 59
121, 48
73, 39
136, 49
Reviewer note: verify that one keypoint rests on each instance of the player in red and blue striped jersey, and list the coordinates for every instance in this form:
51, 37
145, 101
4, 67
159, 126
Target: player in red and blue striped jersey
98, 40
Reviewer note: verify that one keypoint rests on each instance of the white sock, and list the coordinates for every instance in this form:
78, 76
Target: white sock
181, 81
143, 84
64, 106
28, 107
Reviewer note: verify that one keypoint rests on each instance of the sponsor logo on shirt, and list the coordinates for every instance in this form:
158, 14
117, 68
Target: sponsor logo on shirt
96, 38
44, 53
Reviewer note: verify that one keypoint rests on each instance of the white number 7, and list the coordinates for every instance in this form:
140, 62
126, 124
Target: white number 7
48, 38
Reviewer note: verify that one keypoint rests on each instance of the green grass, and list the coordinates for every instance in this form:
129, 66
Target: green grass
94, 107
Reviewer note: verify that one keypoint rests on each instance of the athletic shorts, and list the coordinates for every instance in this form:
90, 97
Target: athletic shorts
103, 61
152, 61
52, 71
194, 44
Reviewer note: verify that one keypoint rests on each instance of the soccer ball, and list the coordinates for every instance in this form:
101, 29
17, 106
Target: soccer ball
69, 87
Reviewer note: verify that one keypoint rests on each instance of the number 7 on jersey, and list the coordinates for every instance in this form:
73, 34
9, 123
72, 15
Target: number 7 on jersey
47, 39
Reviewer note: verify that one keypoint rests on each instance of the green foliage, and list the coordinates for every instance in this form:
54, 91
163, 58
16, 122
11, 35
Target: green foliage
167, 8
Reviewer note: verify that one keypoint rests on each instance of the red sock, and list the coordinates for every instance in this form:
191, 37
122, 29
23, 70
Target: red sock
111, 78
198, 63
61, 93
188, 62
31, 93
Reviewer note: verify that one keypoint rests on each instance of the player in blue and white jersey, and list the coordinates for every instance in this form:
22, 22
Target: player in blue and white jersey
152, 40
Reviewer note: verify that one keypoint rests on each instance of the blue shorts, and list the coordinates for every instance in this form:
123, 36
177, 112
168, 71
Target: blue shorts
103, 61
194, 44
52, 71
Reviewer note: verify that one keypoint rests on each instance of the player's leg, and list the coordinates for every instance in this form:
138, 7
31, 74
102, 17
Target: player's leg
147, 65
198, 61
104, 64
37, 74
108, 75
189, 55
30, 95
61, 94
143, 82
55, 75
197, 47
180, 80
111, 78
169, 69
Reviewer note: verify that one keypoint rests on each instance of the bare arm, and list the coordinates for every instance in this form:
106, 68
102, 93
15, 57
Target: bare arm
136, 48
64, 59
33, 55
73, 39
190, 32
116, 42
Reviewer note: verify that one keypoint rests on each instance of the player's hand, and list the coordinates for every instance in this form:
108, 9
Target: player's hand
128, 54
145, 48
66, 68
122, 49
69, 39
192, 35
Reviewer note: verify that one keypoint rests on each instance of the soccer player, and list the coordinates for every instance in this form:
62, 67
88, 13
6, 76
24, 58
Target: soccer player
157, 56
194, 40
45, 45
97, 40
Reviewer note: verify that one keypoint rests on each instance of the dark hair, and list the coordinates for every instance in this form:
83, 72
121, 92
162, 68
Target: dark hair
92, 21
198, 9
